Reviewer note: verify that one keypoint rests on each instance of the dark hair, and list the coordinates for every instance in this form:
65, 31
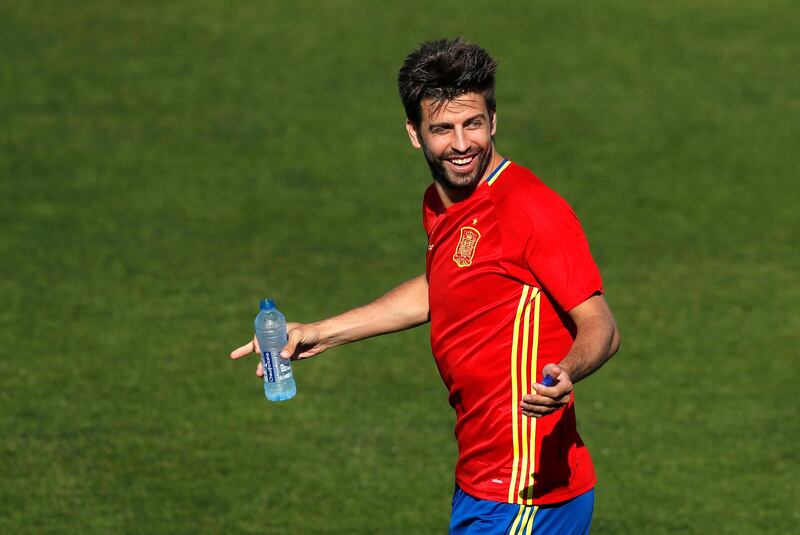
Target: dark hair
443, 70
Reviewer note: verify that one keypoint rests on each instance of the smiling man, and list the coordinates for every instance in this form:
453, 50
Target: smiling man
457, 140
514, 299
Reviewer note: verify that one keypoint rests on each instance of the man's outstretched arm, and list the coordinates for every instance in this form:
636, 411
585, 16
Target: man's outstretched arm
403, 307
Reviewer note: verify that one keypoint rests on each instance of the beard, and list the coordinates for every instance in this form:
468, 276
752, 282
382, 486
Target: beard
451, 179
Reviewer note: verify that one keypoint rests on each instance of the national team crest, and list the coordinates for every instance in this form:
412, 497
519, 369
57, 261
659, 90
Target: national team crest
465, 249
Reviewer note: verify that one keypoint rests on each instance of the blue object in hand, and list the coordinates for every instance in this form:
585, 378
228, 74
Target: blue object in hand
548, 381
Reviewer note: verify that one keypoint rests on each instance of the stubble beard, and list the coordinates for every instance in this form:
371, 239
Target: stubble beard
457, 181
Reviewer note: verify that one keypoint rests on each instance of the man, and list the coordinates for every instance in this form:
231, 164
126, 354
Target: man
513, 296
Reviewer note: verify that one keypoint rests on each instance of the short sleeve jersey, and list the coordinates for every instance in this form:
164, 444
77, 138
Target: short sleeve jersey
504, 267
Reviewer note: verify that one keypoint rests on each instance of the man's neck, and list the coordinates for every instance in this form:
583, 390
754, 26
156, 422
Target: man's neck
450, 196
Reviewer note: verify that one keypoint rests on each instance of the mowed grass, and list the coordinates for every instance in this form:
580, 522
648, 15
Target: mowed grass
165, 165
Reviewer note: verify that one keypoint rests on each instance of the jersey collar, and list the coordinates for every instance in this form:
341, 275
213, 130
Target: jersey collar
489, 180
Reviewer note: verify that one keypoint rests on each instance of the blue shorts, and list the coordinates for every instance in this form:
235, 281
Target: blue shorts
472, 516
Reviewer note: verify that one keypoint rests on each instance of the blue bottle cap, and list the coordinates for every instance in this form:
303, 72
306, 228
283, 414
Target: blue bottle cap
266, 304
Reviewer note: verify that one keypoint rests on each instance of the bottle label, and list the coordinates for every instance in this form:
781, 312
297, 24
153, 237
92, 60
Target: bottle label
266, 363
284, 369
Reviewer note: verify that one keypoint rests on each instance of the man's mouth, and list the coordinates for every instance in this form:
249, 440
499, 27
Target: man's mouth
462, 163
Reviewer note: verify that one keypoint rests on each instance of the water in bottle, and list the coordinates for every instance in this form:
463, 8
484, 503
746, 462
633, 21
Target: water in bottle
270, 326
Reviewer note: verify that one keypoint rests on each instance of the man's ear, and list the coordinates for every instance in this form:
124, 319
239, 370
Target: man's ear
413, 135
494, 123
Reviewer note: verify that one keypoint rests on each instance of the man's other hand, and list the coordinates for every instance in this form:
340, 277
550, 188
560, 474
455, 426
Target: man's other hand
548, 399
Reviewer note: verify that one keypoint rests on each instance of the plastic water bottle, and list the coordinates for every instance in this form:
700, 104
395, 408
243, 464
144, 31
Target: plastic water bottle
270, 326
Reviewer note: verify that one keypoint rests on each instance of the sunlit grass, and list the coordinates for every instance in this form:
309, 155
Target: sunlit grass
163, 166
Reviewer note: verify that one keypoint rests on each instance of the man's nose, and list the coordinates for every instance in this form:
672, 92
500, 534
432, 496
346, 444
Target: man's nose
460, 142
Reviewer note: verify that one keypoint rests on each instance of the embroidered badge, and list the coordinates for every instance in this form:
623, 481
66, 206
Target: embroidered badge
465, 249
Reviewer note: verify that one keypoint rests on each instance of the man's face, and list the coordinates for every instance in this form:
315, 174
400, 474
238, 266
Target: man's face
456, 138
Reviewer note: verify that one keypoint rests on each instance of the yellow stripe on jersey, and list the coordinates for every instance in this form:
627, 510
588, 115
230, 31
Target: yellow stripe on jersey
528, 489
515, 397
498, 172
523, 368
535, 365
526, 389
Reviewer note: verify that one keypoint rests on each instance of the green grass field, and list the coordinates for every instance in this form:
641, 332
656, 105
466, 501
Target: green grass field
164, 165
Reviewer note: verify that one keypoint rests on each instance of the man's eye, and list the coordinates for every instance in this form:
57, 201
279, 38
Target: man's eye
475, 125
438, 130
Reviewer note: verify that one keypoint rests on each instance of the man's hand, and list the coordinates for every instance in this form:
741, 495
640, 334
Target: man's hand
304, 342
548, 399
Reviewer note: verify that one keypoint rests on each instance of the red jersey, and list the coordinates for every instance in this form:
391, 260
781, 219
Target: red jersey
503, 267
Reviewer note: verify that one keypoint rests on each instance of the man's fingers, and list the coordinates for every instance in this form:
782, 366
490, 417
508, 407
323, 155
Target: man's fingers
543, 401
243, 351
259, 369
536, 411
557, 391
246, 349
533, 414
553, 370
295, 337
535, 406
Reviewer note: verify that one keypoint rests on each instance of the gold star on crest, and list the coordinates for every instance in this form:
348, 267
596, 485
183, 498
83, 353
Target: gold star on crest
475, 221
